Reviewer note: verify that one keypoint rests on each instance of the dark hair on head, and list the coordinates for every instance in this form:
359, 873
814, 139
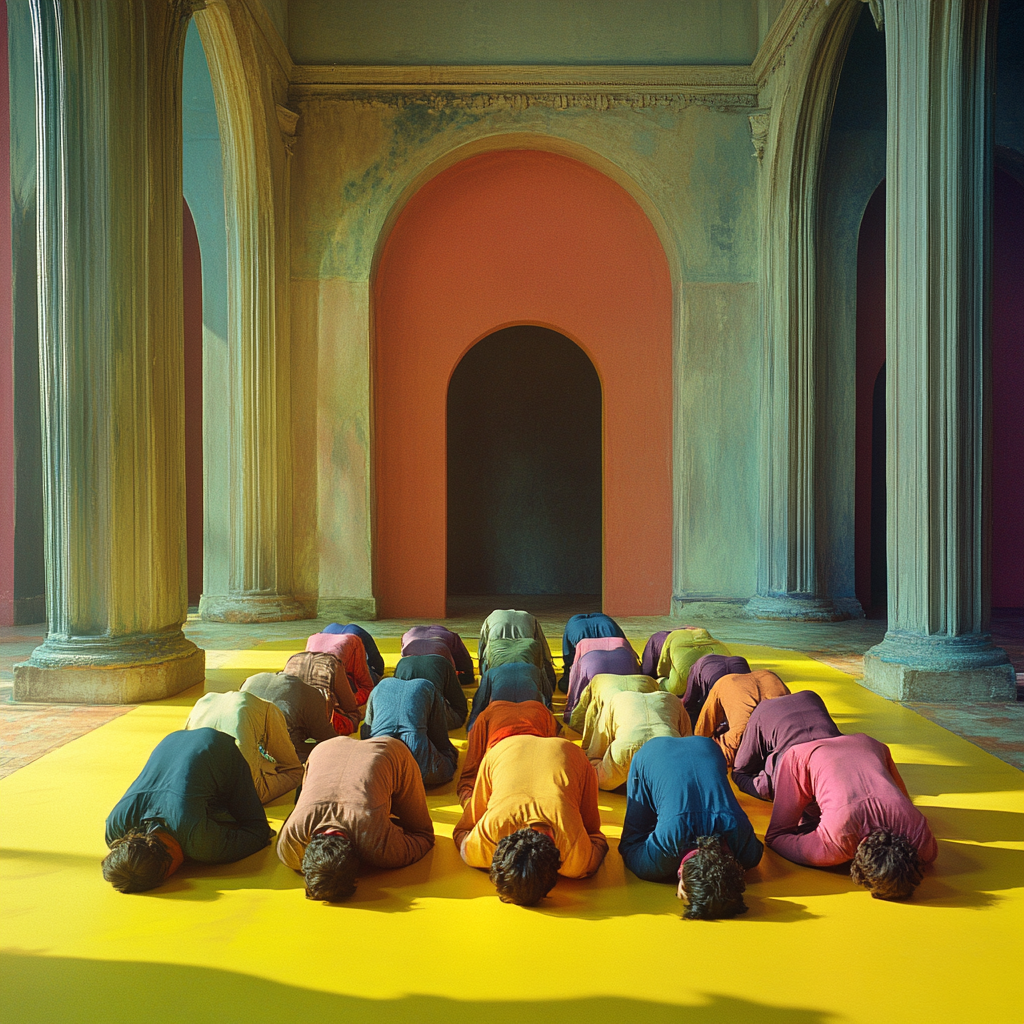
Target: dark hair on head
329, 866
525, 866
887, 865
138, 861
714, 882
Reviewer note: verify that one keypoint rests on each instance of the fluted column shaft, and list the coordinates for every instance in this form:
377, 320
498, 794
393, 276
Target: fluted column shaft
938, 194
111, 361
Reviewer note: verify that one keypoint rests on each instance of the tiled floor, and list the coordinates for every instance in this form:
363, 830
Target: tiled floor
27, 731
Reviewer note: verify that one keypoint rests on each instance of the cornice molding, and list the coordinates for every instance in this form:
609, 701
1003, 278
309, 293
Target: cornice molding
556, 86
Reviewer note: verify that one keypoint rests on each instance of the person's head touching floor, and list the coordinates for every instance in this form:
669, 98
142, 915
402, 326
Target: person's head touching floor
711, 881
525, 865
329, 866
887, 865
141, 860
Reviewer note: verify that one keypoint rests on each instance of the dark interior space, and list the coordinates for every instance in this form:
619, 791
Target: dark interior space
524, 467
192, 296
879, 556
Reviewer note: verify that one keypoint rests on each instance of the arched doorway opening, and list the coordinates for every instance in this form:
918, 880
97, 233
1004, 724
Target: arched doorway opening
524, 468
503, 238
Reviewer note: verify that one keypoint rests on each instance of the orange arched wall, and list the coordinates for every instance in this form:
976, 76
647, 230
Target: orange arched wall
504, 238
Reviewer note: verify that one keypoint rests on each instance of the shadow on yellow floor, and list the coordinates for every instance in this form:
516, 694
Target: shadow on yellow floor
432, 942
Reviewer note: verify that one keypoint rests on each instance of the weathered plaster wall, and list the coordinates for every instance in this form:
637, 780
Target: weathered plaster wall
524, 32
691, 167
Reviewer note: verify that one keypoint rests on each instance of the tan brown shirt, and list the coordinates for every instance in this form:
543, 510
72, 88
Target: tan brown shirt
358, 786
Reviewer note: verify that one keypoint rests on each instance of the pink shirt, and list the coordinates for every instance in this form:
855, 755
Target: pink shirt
853, 782
351, 655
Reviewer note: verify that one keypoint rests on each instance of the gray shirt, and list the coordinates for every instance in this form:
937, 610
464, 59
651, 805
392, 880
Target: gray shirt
305, 710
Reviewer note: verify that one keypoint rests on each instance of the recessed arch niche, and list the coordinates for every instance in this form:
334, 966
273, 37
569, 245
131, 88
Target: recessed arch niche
503, 238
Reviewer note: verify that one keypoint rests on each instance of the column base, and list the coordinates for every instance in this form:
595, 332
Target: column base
796, 607
84, 681
351, 609
252, 608
914, 667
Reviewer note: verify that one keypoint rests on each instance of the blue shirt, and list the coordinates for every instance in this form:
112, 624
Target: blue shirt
678, 790
516, 682
198, 785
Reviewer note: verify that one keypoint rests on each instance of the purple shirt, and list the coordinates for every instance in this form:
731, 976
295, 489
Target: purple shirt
703, 674
618, 662
652, 654
461, 658
832, 793
775, 726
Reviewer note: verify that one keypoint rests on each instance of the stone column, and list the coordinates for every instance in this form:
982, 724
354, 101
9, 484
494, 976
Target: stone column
939, 60
790, 144
111, 363
256, 584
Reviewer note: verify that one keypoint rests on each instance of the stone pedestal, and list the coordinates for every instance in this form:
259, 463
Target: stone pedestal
938, 191
108, 113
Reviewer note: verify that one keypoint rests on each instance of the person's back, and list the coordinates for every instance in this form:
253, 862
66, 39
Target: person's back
730, 703
514, 681
652, 653
348, 649
621, 661
832, 793
374, 659
461, 658
529, 780
198, 788
512, 624
678, 791
603, 687
498, 721
503, 651
703, 674
261, 732
580, 627
412, 710
325, 673
442, 674
775, 726
365, 797
306, 711
681, 649
628, 720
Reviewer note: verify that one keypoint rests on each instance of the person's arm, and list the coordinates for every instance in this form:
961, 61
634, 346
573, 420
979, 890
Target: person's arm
410, 835
745, 846
458, 707
602, 734
437, 728
481, 699
473, 847
463, 661
641, 851
682, 723
314, 715
579, 719
475, 751
787, 834
216, 842
748, 768
591, 818
711, 718
358, 671
481, 651
894, 771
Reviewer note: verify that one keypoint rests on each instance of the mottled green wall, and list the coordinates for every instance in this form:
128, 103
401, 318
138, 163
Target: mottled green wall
29, 568
203, 185
691, 166
523, 31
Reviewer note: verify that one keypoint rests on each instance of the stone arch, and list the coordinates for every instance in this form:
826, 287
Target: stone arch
500, 238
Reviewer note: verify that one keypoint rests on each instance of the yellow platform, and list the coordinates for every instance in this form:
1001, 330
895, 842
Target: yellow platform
240, 943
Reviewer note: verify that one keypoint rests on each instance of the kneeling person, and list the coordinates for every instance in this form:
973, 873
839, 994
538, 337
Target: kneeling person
194, 800
533, 816
840, 799
261, 732
362, 803
683, 821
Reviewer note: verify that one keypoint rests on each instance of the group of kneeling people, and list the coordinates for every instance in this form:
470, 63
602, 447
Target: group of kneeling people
669, 726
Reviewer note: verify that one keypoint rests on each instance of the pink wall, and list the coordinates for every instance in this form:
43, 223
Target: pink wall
514, 237
6, 346
1007, 392
192, 282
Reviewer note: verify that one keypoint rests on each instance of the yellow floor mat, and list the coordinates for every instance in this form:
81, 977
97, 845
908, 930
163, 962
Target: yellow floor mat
431, 943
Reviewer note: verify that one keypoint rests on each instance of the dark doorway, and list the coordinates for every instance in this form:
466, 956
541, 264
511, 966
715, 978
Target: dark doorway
524, 467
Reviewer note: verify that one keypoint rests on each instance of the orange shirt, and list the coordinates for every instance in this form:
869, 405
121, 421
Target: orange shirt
730, 704
499, 720
528, 780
